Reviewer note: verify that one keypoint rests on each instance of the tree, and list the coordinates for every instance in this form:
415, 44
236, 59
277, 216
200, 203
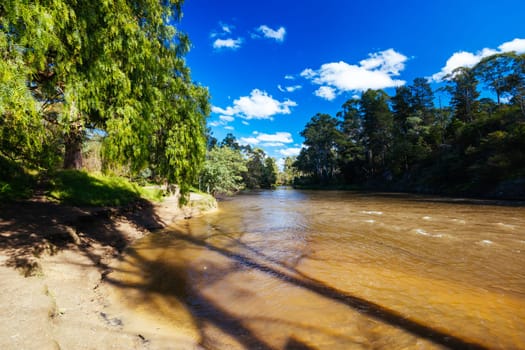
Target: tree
319, 157
231, 142
422, 100
377, 127
253, 177
289, 173
516, 83
115, 66
222, 172
412, 108
463, 88
270, 171
350, 144
494, 71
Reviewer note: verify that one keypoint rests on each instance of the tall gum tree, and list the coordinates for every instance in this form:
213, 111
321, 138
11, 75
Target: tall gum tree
115, 66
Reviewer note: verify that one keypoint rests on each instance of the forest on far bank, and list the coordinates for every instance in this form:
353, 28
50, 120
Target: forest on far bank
404, 142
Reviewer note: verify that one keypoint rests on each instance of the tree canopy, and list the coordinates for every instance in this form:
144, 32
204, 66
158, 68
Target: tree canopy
113, 66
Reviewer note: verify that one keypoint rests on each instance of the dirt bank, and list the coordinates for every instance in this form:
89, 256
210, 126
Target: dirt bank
52, 262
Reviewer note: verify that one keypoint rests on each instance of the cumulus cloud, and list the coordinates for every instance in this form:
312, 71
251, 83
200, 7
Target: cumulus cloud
271, 140
276, 34
290, 152
469, 59
326, 92
229, 43
375, 72
259, 105
517, 45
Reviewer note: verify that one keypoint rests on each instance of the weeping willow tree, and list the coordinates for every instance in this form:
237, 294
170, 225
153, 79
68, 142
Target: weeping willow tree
114, 66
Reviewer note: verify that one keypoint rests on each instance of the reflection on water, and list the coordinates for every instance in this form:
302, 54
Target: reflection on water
289, 269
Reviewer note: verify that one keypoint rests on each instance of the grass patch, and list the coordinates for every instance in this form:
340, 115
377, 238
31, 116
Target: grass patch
15, 181
81, 188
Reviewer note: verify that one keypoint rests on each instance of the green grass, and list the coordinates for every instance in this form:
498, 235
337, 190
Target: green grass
81, 188
15, 181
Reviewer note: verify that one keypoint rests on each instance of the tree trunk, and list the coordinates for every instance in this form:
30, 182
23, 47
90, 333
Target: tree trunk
73, 143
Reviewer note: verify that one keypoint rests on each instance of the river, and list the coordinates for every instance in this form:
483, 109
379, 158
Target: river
289, 269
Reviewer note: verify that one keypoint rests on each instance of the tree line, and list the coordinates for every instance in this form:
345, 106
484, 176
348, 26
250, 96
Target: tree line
474, 145
230, 167
71, 71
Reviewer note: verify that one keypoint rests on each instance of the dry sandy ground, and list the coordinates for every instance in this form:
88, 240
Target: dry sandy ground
53, 260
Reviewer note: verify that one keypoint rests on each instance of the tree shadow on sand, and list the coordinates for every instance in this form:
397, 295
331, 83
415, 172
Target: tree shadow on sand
29, 229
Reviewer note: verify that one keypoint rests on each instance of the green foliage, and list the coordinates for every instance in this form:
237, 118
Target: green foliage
289, 173
475, 146
222, 172
81, 188
68, 67
261, 170
319, 158
15, 181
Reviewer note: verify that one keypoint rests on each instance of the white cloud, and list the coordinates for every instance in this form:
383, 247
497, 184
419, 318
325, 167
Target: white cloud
259, 105
226, 28
308, 73
290, 152
284, 137
227, 118
270, 33
214, 123
272, 144
271, 140
469, 59
326, 92
248, 141
289, 88
244, 122
229, 127
388, 61
230, 43
375, 72
289, 77
517, 45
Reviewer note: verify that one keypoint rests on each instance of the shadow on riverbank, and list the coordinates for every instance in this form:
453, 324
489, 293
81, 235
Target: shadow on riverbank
30, 229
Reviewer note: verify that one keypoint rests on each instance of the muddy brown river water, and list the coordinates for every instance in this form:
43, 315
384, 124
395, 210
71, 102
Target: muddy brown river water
289, 269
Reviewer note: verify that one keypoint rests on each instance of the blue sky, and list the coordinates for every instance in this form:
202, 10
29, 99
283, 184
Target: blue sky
272, 65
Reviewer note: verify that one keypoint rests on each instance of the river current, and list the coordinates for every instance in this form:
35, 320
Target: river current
289, 269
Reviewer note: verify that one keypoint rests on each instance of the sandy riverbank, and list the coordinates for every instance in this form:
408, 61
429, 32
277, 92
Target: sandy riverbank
52, 262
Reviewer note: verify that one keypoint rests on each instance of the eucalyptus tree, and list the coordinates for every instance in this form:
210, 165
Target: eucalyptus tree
377, 126
463, 88
350, 144
422, 100
494, 71
516, 83
112, 65
319, 156
270, 172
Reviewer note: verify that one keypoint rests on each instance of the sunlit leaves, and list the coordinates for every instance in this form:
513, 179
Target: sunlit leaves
113, 65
